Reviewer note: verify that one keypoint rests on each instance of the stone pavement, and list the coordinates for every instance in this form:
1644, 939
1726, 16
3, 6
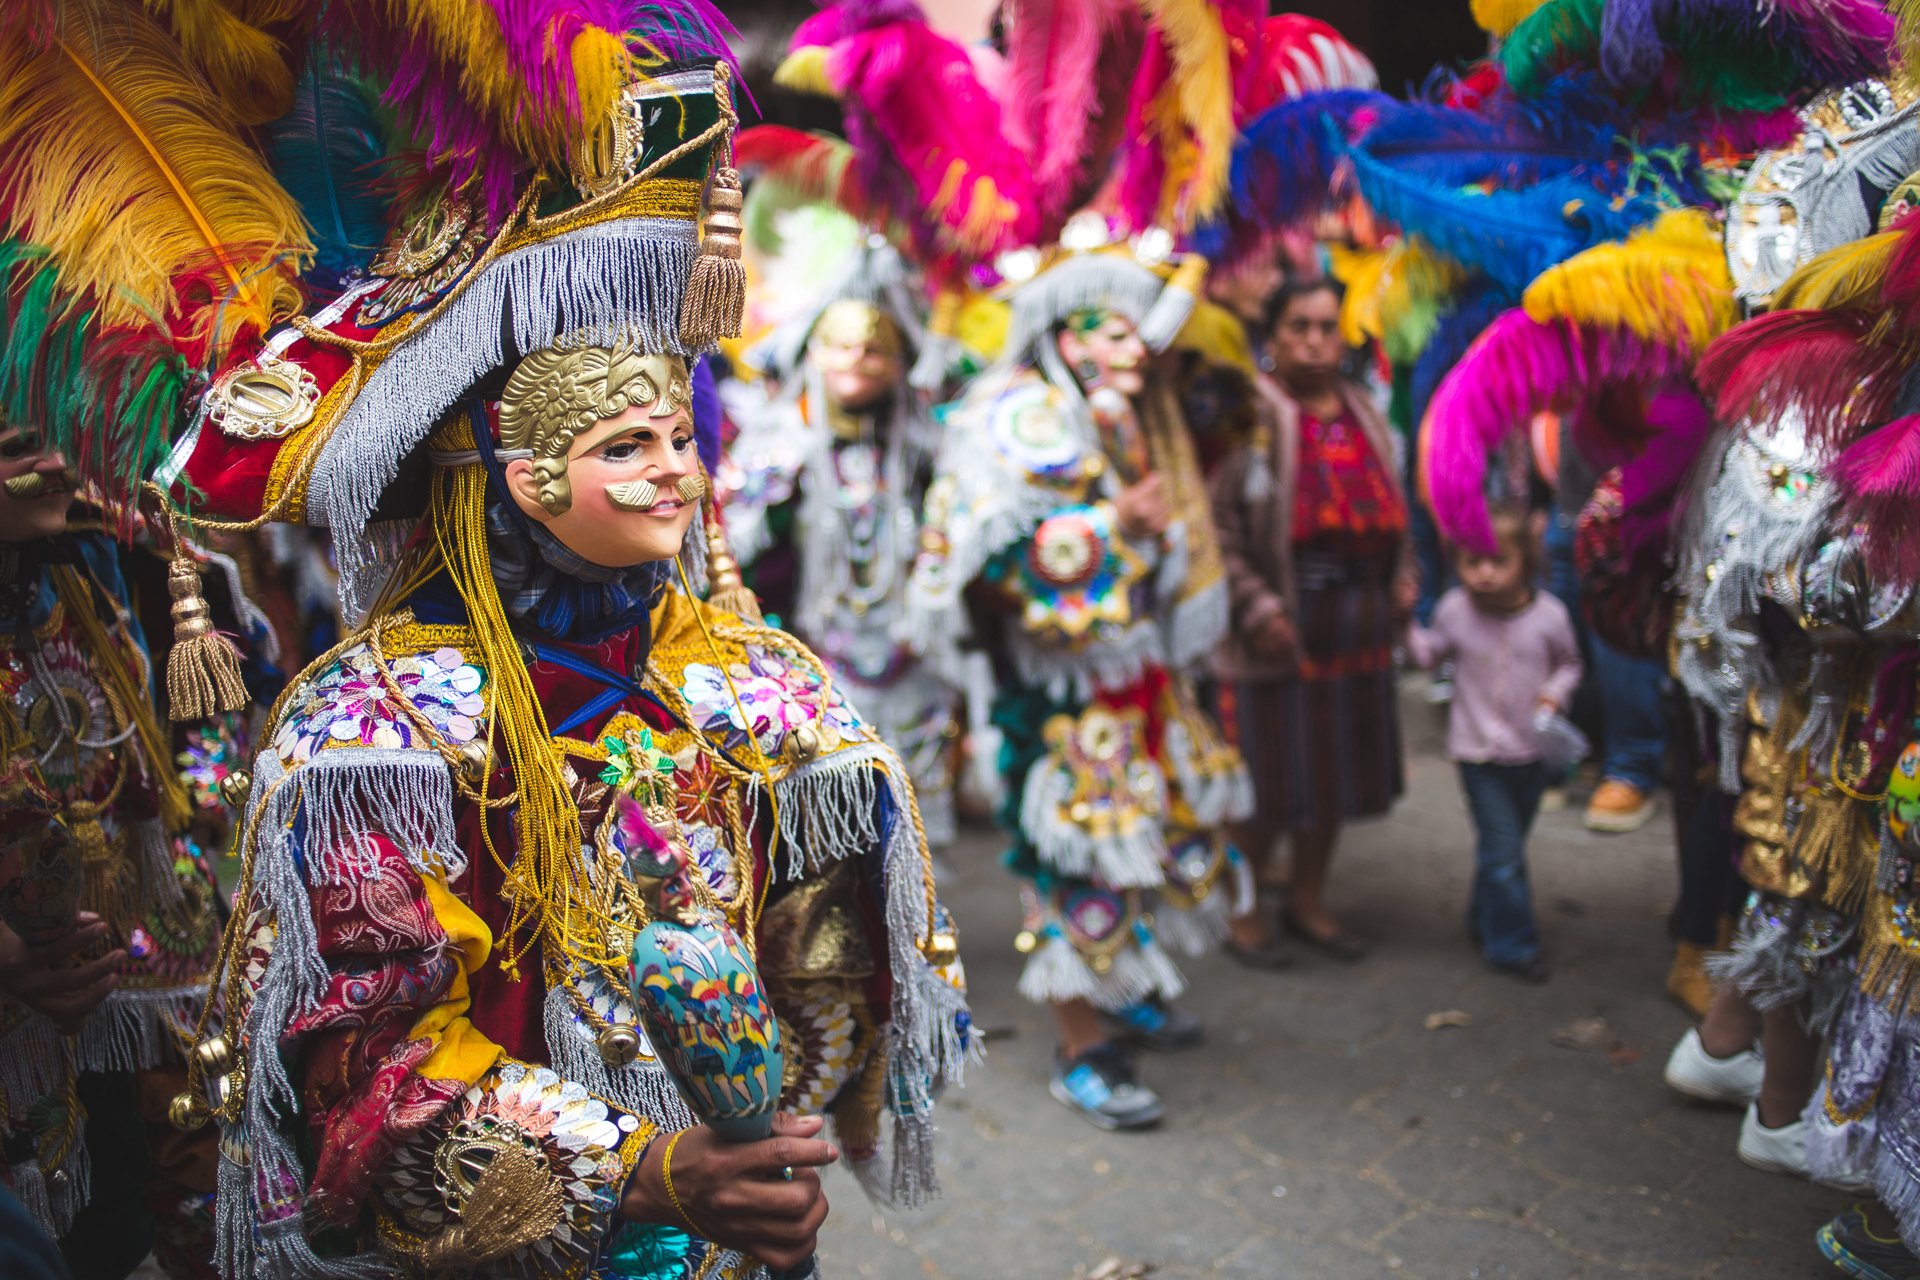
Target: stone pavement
1322, 1131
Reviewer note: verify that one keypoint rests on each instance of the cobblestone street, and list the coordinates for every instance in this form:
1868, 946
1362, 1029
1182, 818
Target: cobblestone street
1324, 1131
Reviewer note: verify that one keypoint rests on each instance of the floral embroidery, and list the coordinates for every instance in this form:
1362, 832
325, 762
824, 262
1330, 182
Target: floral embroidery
352, 705
637, 766
776, 697
212, 750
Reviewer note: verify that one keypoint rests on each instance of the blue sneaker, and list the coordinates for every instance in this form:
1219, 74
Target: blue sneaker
1154, 1024
1851, 1245
1099, 1084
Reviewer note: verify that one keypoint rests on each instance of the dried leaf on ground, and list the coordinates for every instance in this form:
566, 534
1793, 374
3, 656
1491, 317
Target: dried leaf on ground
1448, 1018
1587, 1035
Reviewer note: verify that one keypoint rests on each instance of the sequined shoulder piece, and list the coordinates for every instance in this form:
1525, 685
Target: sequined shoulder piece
424, 691
1030, 432
749, 685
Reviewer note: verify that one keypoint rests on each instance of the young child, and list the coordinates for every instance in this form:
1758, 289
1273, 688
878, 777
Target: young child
1514, 654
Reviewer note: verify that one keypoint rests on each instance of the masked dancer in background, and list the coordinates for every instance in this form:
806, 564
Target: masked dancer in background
1068, 508
823, 493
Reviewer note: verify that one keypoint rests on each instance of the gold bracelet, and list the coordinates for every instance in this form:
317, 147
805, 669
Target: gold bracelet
666, 1176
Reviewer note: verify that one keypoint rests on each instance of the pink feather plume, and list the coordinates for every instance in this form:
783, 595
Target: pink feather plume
1879, 480
1822, 363
1515, 369
917, 92
1053, 88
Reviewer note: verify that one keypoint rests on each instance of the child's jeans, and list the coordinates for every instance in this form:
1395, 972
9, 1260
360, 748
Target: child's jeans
1503, 799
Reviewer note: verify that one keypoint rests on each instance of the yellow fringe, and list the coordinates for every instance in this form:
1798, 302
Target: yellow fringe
1500, 17
1667, 282
545, 883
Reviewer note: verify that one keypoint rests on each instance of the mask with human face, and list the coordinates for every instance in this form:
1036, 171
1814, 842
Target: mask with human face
598, 447
858, 352
1105, 352
36, 487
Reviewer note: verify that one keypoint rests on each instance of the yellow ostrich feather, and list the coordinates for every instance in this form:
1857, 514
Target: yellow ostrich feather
1394, 294
805, 71
1840, 279
1906, 41
246, 65
465, 35
131, 172
1667, 282
1500, 17
1203, 80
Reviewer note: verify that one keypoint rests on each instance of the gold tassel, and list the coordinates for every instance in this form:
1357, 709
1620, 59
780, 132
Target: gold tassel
1831, 848
203, 670
726, 589
110, 881
716, 296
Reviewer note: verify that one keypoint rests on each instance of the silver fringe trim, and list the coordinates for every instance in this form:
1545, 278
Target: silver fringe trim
1224, 797
1077, 283
642, 1087
346, 794
1057, 972
1123, 860
1110, 664
1197, 930
1196, 625
152, 848
620, 282
135, 1030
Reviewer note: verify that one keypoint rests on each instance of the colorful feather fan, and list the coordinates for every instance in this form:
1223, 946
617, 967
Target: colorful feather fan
129, 171
1395, 296
1517, 368
1284, 168
1200, 81
1668, 283
1301, 55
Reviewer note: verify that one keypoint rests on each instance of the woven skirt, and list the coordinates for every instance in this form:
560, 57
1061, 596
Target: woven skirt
1324, 748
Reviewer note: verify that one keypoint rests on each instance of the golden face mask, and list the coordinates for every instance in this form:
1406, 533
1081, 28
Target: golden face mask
848, 330
556, 394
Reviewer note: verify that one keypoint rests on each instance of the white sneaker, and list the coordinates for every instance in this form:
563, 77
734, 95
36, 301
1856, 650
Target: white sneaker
1698, 1074
1782, 1150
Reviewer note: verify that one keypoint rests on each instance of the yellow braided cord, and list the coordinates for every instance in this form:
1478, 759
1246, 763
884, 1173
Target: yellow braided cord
546, 881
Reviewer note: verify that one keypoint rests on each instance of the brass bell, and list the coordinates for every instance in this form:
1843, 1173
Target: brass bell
214, 1055
1026, 942
475, 760
188, 1112
1102, 964
619, 1045
943, 948
804, 745
235, 786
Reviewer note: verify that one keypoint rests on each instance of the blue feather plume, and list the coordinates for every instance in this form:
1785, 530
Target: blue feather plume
1282, 168
1570, 126
328, 152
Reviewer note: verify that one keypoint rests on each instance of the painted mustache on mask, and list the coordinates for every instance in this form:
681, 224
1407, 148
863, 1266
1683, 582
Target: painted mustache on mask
644, 495
37, 484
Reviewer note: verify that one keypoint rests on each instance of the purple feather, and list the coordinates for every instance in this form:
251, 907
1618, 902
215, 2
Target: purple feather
706, 416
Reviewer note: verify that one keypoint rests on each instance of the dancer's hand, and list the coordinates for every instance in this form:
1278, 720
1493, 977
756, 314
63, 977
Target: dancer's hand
1276, 641
47, 981
736, 1192
1143, 508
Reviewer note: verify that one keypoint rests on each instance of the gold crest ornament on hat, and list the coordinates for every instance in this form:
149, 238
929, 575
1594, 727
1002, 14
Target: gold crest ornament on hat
557, 393
265, 400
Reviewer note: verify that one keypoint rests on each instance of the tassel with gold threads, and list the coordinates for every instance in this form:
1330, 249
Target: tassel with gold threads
203, 667
716, 296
